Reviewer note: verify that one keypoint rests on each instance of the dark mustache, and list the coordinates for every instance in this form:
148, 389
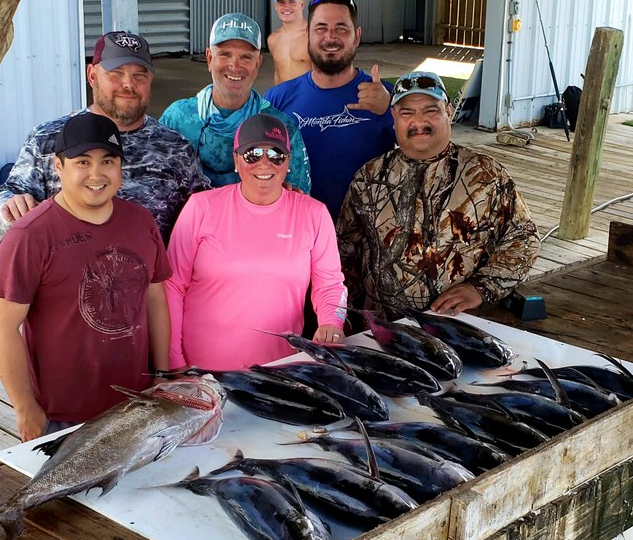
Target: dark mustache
426, 130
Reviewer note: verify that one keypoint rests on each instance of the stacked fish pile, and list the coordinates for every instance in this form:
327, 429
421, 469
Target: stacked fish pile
407, 463
380, 469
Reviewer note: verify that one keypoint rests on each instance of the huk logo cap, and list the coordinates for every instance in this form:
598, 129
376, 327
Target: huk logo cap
261, 129
87, 131
236, 26
115, 49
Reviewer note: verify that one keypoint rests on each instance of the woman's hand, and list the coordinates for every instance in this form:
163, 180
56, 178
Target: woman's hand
329, 333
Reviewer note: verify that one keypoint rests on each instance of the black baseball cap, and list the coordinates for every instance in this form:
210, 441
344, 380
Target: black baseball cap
261, 128
86, 131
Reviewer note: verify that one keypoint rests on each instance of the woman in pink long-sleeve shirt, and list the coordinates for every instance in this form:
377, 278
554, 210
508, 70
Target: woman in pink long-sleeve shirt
243, 256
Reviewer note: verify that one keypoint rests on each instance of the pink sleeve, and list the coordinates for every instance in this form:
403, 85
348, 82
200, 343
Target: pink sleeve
181, 252
329, 295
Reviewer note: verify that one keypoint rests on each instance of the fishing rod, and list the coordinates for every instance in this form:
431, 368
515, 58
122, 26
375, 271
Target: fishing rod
561, 105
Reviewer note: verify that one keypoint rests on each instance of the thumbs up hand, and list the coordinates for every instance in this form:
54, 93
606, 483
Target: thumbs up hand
372, 96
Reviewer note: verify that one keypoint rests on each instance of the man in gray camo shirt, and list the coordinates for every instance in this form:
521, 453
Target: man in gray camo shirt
160, 170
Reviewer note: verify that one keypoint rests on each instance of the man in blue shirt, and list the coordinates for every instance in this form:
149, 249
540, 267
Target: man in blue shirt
342, 112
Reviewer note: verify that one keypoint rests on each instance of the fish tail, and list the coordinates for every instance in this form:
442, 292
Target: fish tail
11, 523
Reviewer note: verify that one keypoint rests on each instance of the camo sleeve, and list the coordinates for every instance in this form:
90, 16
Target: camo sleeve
34, 171
517, 243
349, 232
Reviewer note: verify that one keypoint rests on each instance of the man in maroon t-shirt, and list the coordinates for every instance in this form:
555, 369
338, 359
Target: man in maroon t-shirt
83, 273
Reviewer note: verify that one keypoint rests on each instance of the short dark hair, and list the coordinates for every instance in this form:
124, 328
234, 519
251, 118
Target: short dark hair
350, 4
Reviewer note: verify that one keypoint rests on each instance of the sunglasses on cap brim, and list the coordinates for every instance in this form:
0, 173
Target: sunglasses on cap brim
350, 3
254, 155
423, 82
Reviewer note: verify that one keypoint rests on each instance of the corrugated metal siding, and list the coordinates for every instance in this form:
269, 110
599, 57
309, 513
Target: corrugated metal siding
569, 27
204, 12
382, 21
41, 77
163, 23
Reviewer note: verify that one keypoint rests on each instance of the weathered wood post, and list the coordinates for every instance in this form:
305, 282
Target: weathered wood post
586, 156
7, 10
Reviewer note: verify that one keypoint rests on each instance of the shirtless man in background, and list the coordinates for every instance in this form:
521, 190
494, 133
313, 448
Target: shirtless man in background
289, 45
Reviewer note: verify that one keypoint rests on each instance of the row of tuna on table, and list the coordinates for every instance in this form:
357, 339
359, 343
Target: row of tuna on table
389, 467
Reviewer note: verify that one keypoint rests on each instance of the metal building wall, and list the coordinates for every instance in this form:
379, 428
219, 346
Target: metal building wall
526, 82
163, 23
382, 21
42, 75
204, 12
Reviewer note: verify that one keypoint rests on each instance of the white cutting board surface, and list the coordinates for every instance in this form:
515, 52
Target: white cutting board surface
168, 513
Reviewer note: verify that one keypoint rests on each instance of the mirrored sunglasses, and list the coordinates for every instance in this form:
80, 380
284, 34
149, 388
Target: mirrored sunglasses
253, 155
421, 83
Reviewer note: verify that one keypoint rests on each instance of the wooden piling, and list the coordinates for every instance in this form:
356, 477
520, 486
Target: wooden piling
586, 157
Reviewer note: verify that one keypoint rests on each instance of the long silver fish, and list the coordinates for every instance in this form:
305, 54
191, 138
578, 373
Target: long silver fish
133, 433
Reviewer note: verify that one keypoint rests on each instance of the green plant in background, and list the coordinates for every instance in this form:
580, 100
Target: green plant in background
452, 85
628, 123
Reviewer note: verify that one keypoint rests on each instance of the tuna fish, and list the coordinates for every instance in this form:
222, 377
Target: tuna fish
356, 397
279, 399
418, 475
485, 424
390, 375
262, 509
133, 433
339, 489
416, 346
582, 398
611, 381
449, 442
543, 414
476, 347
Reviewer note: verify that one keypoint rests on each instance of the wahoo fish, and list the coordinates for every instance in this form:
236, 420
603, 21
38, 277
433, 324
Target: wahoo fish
262, 509
476, 347
129, 435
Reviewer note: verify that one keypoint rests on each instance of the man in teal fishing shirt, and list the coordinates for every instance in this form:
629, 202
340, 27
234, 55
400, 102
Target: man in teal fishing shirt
210, 119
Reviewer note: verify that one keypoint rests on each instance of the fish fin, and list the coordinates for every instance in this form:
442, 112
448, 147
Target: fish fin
561, 395
435, 404
618, 364
169, 444
341, 363
12, 523
50, 448
371, 457
193, 475
132, 393
231, 465
108, 482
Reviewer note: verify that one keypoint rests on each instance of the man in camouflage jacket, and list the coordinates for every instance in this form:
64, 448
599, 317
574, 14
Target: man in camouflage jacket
432, 224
